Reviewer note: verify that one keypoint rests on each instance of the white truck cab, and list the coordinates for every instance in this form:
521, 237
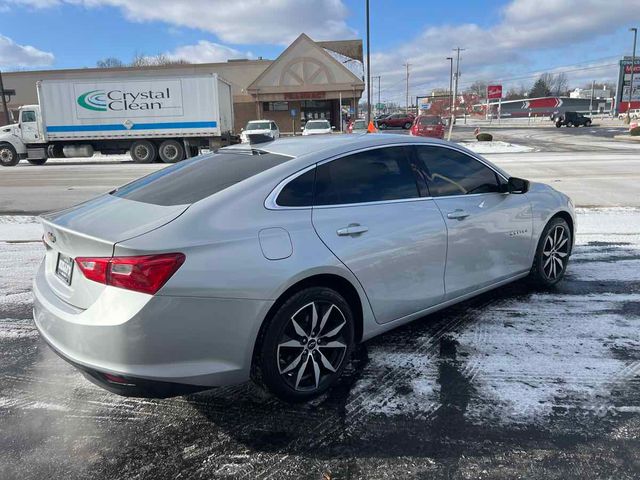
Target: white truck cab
24, 139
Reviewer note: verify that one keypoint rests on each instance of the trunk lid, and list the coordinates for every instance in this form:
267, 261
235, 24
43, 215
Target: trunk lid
92, 229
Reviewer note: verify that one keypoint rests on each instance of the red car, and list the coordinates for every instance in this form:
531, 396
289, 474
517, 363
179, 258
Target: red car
403, 120
428, 126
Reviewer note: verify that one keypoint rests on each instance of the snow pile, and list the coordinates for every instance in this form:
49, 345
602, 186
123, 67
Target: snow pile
496, 146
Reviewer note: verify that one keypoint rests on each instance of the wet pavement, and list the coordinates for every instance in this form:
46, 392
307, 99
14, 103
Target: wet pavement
512, 384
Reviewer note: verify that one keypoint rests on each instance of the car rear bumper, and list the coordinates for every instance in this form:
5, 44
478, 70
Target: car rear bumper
162, 345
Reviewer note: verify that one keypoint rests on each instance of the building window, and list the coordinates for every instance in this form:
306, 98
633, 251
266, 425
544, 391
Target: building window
275, 106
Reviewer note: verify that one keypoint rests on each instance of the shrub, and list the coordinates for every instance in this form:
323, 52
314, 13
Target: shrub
635, 132
484, 137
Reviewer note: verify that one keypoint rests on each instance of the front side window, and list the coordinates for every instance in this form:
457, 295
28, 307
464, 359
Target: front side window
28, 116
449, 172
371, 176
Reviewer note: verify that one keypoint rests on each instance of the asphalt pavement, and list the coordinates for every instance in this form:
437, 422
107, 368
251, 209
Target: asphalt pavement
515, 383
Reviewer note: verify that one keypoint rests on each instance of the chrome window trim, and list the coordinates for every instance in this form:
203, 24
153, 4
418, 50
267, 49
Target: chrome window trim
271, 204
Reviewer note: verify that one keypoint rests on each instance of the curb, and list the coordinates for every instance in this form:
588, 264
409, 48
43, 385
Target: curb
627, 138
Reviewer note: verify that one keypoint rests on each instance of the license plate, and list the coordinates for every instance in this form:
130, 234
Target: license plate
64, 268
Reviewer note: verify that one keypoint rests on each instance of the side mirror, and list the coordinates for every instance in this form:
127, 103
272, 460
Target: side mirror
517, 185
301, 128
242, 129
332, 127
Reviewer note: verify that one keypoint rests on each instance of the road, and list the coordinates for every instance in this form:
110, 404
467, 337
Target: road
515, 383
591, 178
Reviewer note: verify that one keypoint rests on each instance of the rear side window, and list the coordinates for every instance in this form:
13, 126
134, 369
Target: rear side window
192, 180
449, 172
299, 191
374, 175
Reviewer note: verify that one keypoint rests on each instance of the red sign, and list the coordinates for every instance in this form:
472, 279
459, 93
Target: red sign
636, 67
304, 95
494, 91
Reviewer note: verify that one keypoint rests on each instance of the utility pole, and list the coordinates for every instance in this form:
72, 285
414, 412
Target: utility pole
4, 102
373, 78
633, 62
455, 91
407, 81
368, 69
450, 84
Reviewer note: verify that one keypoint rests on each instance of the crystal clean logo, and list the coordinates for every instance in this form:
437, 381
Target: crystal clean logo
128, 99
94, 100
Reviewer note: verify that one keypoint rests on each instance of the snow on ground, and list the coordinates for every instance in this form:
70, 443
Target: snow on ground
524, 357
514, 359
496, 146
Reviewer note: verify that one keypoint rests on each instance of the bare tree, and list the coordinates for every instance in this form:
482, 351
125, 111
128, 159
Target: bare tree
560, 84
542, 86
478, 88
110, 62
142, 60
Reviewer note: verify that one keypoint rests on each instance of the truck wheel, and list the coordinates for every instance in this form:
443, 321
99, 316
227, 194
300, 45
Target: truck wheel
587, 123
143, 151
37, 161
171, 151
8, 155
558, 124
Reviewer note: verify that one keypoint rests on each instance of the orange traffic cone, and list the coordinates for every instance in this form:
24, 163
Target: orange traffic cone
371, 128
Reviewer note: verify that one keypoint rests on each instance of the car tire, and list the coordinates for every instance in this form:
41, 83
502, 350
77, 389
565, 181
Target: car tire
552, 254
297, 359
8, 155
558, 124
171, 151
37, 161
143, 151
407, 126
382, 126
587, 123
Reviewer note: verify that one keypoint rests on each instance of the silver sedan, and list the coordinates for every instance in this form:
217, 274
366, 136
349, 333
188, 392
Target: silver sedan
270, 262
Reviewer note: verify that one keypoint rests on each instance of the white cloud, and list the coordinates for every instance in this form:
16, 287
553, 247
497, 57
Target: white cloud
237, 22
526, 27
206, 52
15, 55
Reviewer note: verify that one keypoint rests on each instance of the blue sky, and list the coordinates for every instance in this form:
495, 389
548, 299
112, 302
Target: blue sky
509, 40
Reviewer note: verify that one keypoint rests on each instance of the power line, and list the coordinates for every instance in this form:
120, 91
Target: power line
534, 73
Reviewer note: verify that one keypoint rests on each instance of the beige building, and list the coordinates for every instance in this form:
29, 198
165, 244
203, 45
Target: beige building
308, 80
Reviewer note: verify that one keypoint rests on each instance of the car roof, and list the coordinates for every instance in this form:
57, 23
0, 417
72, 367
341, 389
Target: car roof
299, 146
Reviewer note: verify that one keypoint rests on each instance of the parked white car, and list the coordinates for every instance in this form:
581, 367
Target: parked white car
317, 127
262, 127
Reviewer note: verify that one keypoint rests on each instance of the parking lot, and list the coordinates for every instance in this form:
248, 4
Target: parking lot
515, 383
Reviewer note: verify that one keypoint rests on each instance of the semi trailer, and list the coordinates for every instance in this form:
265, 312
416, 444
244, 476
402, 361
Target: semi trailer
165, 118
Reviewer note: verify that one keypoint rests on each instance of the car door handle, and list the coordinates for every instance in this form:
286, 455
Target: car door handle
352, 229
457, 214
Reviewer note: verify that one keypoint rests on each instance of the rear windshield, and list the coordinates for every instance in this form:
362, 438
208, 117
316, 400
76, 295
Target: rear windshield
317, 125
359, 124
430, 120
192, 180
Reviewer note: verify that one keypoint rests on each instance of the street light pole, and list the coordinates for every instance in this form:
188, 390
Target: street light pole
407, 95
455, 91
378, 78
4, 102
450, 84
368, 69
633, 62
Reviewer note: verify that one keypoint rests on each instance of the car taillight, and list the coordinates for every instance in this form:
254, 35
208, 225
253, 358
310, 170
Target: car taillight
146, 273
